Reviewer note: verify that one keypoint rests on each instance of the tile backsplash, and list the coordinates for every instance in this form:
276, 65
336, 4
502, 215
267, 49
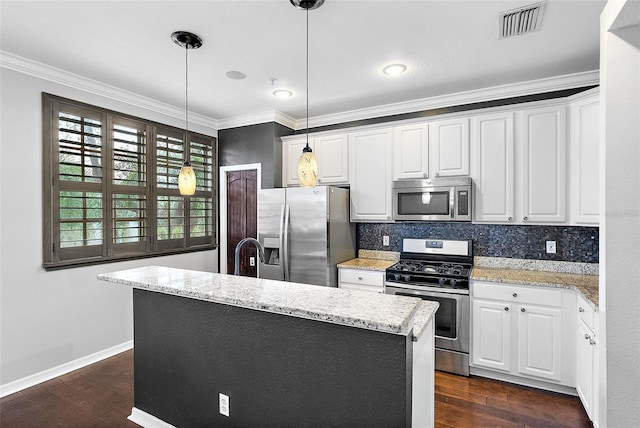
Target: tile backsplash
573, 243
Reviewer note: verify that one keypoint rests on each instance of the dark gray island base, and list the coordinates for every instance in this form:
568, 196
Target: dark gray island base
286, 355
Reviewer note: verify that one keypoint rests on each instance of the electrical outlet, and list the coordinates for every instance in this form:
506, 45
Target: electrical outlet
224, 404
252, 261
385, 240
551, 247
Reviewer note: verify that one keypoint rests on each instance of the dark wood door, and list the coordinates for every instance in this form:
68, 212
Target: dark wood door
242, 219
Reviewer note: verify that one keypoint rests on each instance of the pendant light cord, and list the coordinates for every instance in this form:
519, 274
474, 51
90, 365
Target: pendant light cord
307, 78
186, 89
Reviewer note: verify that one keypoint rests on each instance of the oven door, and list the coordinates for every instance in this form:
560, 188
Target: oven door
424, 203
452, 322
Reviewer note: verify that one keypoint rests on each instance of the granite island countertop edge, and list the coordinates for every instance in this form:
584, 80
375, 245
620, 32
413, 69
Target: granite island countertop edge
384, 313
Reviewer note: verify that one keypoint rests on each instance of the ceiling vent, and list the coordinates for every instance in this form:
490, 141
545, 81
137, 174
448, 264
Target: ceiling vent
521, 21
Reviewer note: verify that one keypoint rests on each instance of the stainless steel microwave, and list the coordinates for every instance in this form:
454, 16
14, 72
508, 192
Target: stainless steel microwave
440, 199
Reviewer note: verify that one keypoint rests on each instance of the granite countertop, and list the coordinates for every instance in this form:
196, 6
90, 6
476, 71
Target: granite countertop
367, 264
585, 284
423, 315
379, 312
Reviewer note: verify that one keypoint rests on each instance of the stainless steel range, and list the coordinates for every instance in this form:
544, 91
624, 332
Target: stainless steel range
439, 270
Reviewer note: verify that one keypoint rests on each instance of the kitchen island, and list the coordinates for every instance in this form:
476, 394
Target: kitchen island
285, 354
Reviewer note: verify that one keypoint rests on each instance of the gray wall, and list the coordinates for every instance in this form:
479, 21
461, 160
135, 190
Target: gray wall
48, 319
255, 144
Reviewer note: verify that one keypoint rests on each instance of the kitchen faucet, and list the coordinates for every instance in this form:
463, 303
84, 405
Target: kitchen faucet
236, 269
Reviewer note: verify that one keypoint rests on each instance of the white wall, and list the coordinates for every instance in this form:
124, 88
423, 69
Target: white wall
620, 215
51, 318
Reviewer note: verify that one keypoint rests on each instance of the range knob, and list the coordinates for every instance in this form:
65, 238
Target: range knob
454, 282
406, 277
442, 281
396, 276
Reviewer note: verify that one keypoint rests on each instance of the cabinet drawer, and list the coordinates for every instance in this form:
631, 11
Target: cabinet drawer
365, 277
518, 294
361, 287
586, 312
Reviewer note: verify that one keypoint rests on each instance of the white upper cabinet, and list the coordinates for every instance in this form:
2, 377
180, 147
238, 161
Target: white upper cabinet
449, 142
332, 154
492, 167
584, 160
291, 152
544, 164
370, 175
411, 151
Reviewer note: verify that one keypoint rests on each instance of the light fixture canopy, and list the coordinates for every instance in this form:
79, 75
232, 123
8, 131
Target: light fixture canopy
186, 177
394, 69
307, 165
307, 4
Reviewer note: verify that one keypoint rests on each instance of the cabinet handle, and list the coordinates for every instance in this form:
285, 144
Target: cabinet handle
437, 173
592, 342
525, 218
510, 218
515, 294
425, 175
506, 308
580, 309
522, 310
587, 337
319, 181
359, 278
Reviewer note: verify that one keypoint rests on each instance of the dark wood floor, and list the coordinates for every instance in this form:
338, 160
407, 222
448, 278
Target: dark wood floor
101, 395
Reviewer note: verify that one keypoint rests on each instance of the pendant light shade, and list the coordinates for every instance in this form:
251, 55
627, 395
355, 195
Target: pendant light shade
187, 177
307, 165
307, 168
187, 180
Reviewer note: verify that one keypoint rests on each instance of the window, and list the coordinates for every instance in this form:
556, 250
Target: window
111, 187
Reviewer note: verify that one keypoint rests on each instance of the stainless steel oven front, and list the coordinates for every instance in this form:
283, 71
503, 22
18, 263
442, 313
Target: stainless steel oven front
452, 324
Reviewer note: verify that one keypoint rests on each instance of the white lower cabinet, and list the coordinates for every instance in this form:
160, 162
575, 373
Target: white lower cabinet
587, 359
523, 331
361, 280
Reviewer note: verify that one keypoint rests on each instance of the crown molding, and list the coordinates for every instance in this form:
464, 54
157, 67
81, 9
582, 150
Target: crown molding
56, 75
62, 77
254, 119
531, 87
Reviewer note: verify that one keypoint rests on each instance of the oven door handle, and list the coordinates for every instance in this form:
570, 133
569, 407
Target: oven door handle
427, 289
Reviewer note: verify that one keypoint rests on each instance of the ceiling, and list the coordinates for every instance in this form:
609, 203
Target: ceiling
448, 46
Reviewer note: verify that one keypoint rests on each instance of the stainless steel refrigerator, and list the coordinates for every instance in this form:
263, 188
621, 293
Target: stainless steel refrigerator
305, 232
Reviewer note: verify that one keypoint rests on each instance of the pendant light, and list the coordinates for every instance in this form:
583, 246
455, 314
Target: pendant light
307, 165
186, 178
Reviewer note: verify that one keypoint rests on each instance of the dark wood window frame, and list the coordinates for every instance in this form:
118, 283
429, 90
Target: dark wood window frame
110, 187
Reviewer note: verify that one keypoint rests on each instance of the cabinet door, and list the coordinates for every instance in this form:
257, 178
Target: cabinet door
411, 151
292, 150
544, 166
584, 366
539, 342
492, 167
584, 182
370, 172
332, 154
449, 143
491, 336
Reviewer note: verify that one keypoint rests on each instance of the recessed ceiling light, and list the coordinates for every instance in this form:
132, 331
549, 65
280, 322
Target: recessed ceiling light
282, 93
235, 75
394, 69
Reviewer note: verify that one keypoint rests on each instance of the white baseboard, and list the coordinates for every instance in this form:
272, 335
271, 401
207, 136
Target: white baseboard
34, 379
146, 420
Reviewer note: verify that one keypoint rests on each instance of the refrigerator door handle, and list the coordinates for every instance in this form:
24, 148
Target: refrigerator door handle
281, 242
285, 257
